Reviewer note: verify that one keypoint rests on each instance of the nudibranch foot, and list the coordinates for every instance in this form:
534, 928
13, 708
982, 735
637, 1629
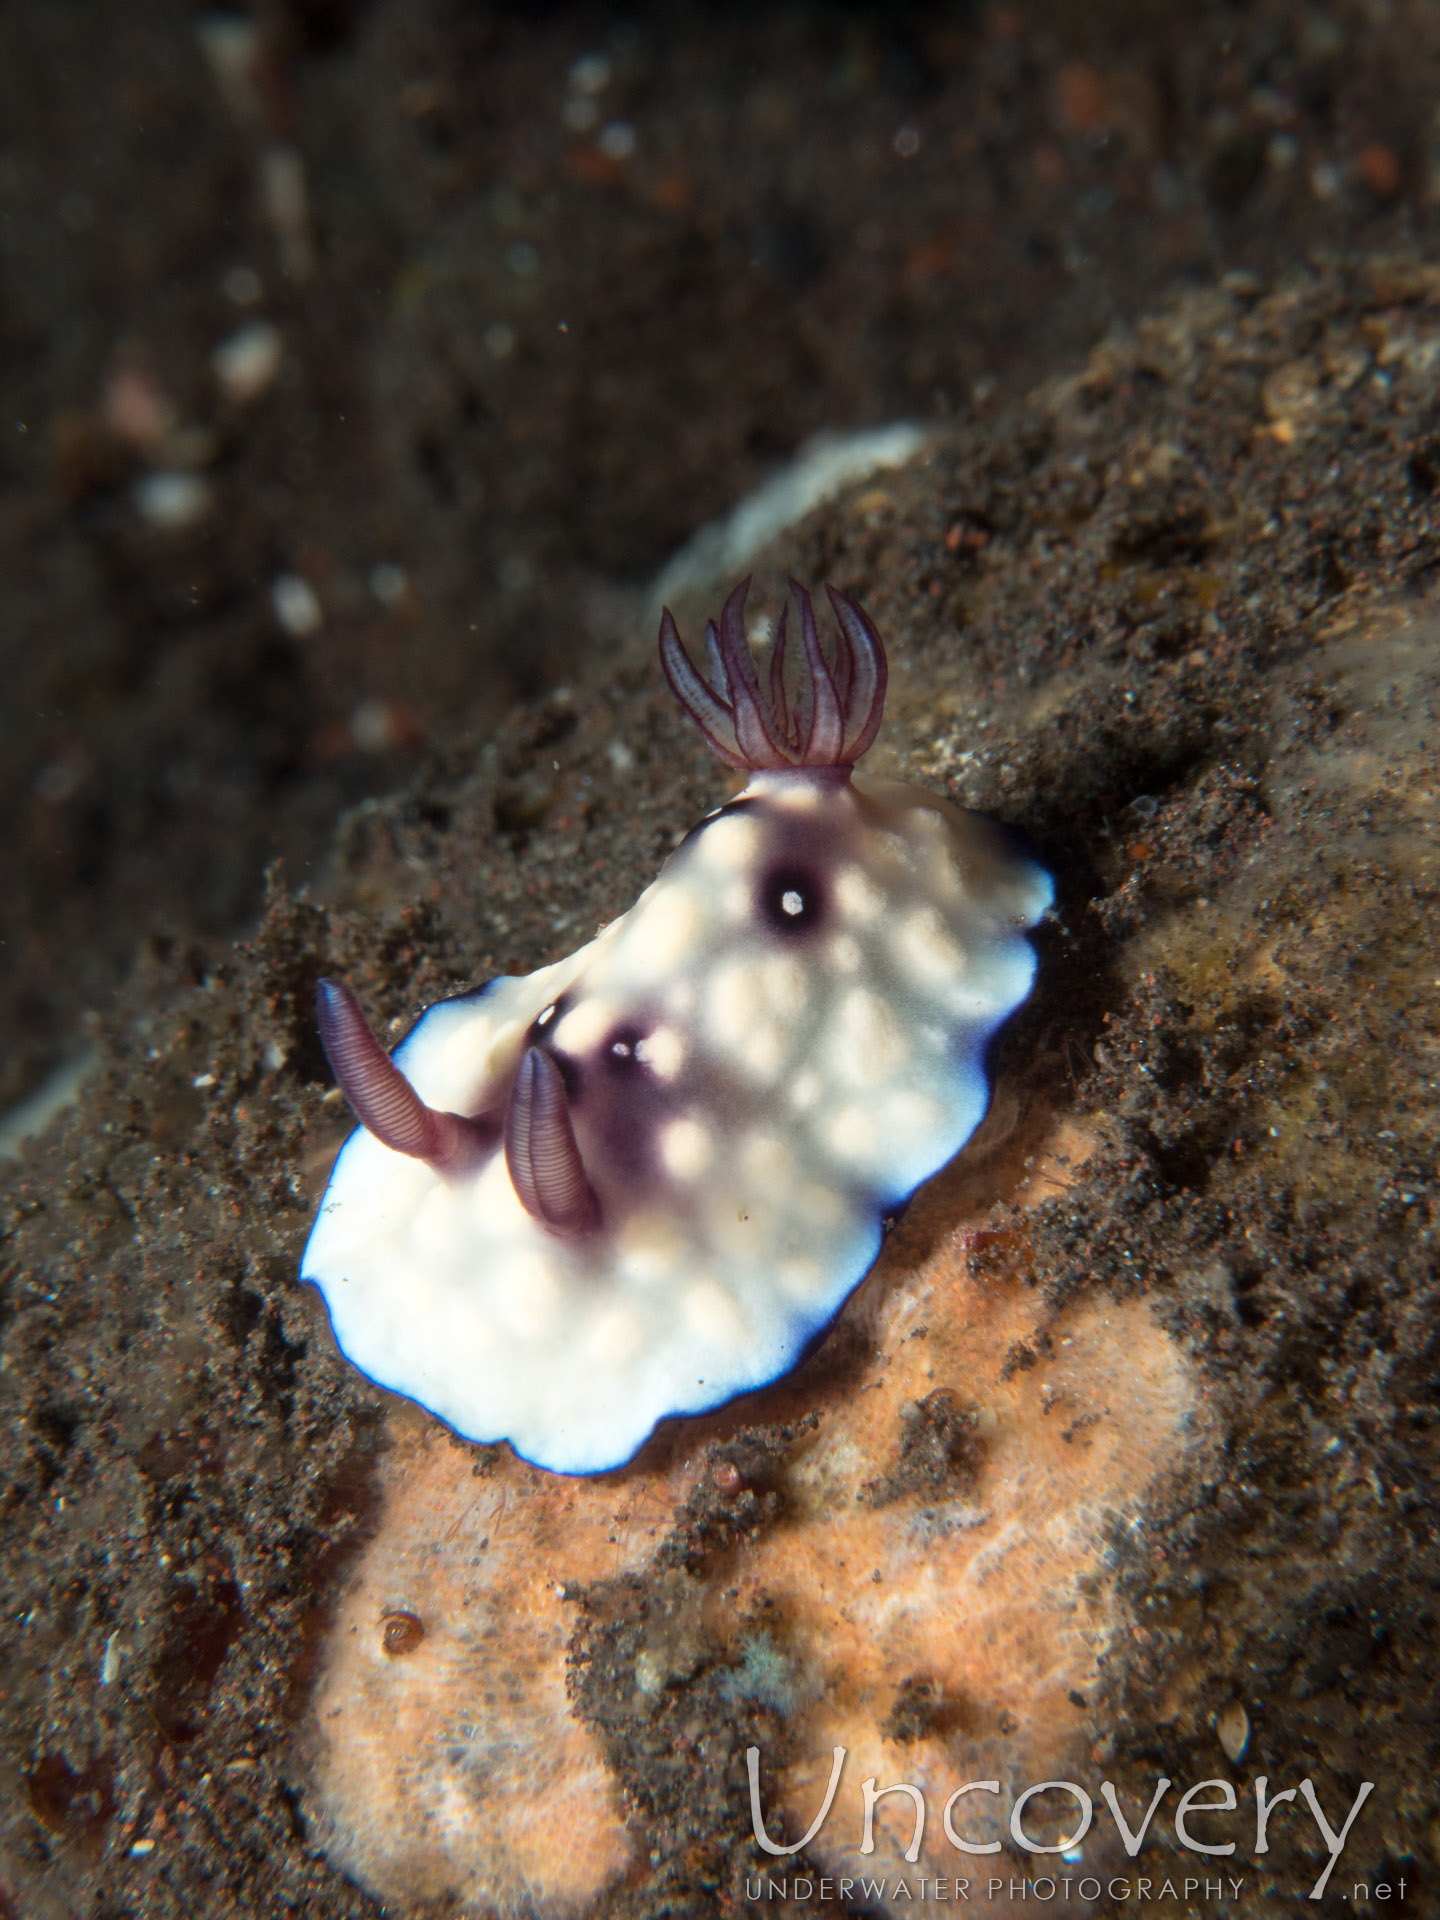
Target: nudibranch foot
690, 1134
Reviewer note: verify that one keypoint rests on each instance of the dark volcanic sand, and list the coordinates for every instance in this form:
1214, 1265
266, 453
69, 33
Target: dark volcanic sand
522, 364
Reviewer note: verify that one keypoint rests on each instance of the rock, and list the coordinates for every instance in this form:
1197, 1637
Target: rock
1196, 663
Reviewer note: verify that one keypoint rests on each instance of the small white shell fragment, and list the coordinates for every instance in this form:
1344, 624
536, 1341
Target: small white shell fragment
746, 1111
247, 363
297, 605
1232, 1728
827, 462
46, 1103
173, 500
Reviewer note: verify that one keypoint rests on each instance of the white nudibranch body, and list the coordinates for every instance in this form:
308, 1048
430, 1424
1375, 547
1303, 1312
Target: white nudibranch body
669, 1158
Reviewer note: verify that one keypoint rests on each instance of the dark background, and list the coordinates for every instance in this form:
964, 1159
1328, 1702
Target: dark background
536, 321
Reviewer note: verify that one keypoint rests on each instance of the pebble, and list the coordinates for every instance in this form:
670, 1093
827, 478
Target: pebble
373, 728
242, 286
297, 605
247, 363
590, 74
1232, 1727
173, 500
286, 201
58, 779
1325, 180
136, 407
389, 583
617, 141
231, 46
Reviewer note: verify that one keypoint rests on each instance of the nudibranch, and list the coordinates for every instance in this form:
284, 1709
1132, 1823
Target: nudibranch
641, 1181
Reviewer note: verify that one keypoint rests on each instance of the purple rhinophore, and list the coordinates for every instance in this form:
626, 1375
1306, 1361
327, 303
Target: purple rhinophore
380, 1096
541, 1156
